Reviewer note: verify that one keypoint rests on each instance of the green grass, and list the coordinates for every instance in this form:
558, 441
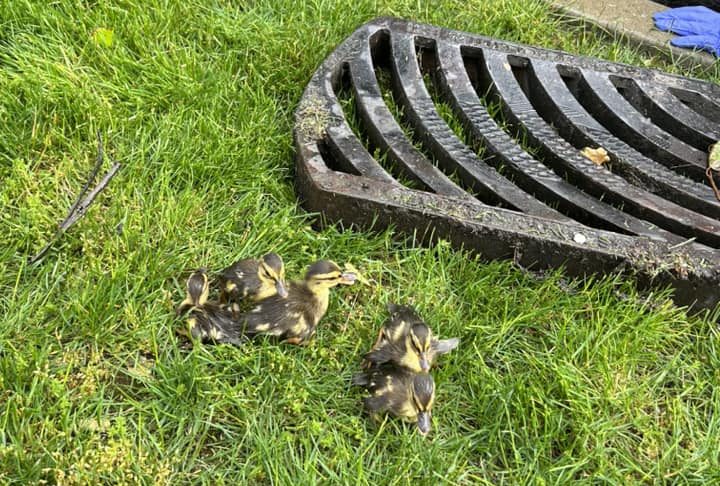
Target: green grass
554, 381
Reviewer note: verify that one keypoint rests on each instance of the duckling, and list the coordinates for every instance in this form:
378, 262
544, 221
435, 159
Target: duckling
405, 339
213, 323
197, 292
294, 318
253, 279
399, 392
206, 321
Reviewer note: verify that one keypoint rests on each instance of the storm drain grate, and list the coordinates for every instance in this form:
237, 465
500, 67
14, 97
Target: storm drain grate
480, 142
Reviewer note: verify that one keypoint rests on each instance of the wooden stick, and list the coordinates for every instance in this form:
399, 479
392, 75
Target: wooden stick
80, 207
83, 206
93, 174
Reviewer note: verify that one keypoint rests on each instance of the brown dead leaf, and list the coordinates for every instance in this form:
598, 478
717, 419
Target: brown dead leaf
598, 156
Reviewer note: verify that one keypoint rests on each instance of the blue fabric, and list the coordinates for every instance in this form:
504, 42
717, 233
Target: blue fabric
698, 27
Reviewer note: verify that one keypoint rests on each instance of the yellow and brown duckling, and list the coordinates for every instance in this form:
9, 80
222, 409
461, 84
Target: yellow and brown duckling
253, 279
295, 317
207, 321
406, 340
399, 392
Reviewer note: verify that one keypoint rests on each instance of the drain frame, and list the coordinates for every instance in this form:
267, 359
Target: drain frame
338, 177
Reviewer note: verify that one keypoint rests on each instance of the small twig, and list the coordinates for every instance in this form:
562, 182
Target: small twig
91, 178
681, 244
709, 174
80, 207
83, 206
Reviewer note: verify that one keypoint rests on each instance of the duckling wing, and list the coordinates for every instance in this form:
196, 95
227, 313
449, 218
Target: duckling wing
272, 316
385, 353
220, 325
388, 387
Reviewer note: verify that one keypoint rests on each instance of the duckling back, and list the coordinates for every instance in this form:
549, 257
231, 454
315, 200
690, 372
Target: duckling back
293, 319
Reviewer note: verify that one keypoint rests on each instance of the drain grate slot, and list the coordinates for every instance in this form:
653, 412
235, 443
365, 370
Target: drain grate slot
600, 98
557, 107
667, 112
702, 105
479, 141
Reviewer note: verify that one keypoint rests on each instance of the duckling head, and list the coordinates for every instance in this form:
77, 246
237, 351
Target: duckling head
423, 395
419, 341
325, 274
198, 289
271, 272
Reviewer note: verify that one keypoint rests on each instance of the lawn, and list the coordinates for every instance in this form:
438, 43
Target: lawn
555, 381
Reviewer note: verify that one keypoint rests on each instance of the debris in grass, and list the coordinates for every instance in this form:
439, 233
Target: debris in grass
598, 156
80, 207
312, 118
349, 267
94, 425
142, 368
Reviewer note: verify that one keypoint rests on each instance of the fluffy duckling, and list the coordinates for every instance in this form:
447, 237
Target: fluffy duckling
295, 317
253, 279
405, 339
399, 392
213, 323
206, 321
197, 292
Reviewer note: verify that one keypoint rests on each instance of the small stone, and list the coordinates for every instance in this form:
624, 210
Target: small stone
579, 238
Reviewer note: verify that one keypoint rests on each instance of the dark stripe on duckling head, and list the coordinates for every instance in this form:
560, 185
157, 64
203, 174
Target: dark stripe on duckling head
423, 391
274, 261
196, 286
323, 269
422, 334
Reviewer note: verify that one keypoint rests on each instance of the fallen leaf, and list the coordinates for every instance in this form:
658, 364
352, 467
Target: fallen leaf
714, 156
598, 156
103, 37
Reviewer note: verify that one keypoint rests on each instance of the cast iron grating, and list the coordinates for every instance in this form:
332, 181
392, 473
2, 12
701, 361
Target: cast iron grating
479, 141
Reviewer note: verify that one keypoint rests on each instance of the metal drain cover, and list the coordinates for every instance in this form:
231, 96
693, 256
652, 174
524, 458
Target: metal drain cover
478, 141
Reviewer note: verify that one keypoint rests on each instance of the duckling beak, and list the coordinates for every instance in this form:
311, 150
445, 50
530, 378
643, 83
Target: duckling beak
348, 278
424, 363
281, 290
423, 422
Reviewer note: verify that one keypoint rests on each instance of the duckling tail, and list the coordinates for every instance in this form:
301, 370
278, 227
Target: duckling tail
361, 379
